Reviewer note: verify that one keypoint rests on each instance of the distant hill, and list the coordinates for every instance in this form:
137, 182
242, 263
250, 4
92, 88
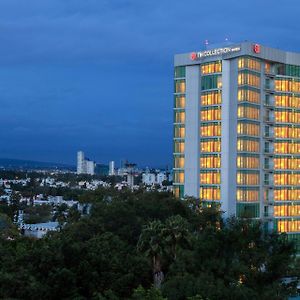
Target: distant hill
18, 164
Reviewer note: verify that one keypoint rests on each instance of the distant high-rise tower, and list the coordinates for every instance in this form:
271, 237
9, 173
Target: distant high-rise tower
111, 171
90, 167
80, 163
84, 166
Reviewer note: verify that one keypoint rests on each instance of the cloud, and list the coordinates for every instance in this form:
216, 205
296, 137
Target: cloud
99, 72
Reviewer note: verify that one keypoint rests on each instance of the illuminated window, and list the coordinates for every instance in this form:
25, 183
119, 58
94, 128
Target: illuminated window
210, 177
179, 162
286, 100
267, 68
179, 86
247, 194
212, 129
287, 116
286, 147
249, 63
247, 178
247, 145
210, 193
287, 132
211, 67
179, 131
247, 128
247, 111
287, 225
179, 191
286, 179
249, 95
285, 194
287, 210
179, 117
248, 78
178, 146
178, 177
210, 161
210, 114
211, 145
179, 101
211, 98
247, 161
287, 85
286, 163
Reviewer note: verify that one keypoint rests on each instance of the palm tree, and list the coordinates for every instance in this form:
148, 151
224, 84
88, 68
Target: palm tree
152, 244
176, 233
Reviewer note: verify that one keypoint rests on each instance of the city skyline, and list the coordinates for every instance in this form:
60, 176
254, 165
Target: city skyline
99, 76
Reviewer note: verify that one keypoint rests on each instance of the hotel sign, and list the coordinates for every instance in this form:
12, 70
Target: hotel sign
213, 52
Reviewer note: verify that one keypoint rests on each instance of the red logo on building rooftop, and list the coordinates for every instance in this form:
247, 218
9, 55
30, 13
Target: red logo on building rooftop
193, 55
256, 48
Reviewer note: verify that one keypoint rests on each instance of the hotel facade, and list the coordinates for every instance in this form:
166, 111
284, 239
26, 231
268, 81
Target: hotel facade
237, 132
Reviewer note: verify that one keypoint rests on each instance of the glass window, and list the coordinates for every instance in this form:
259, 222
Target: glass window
286, 116
210, 161
247, 161
287, 210
287, 132
179, 72
210, 177
211, 145
247, 178
179, 162
286, 100
287, 85
248, 128
179, 101
211, 98
248, 78
247, 145
179, 117
249, 95
179, 86
178, 176
210, 129
178, 146
248, 112
281, 178
249, 63
286, 194
210, 82
247, 194
210, 114
210, 193
286, 163
179, 131
211, 67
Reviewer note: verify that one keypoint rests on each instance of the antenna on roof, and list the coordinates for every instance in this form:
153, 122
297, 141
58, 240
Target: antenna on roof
206, 43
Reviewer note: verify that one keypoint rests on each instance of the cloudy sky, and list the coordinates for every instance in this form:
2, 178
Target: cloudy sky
97, 75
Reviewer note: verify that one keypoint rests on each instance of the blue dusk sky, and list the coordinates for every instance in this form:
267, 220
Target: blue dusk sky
97, 75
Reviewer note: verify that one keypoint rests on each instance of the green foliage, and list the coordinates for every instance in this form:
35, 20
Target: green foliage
151, 294
110, 254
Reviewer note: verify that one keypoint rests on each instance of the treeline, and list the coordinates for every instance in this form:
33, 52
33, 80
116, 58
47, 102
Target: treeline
147, 246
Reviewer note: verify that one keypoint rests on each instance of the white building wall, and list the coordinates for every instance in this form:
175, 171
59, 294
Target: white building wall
192, 140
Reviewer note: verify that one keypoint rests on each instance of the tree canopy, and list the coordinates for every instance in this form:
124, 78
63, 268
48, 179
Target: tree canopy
116, 251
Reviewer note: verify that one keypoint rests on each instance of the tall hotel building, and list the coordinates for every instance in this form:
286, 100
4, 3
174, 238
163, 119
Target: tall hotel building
237, 132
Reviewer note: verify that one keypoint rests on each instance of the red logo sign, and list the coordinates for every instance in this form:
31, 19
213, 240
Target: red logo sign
193, 56
256, 48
